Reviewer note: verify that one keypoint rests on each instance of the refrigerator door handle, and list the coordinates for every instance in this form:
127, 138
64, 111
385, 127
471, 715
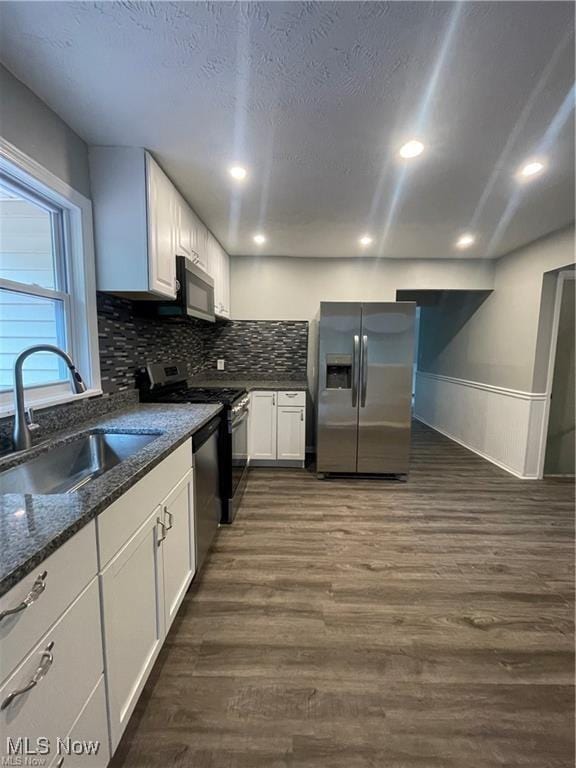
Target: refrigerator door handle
364, 373
355, 366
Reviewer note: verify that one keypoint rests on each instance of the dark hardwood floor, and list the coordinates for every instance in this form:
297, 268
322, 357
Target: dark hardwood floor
357, 623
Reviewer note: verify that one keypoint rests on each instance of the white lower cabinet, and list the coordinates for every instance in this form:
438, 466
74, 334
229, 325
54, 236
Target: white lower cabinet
88, 639
87, 745
291, 433
277, 428
133, 615
262, 426
66, 663
144, 584
178, 550
46, 592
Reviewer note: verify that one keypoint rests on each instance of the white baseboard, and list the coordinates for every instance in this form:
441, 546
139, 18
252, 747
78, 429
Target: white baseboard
474, 450
501, 425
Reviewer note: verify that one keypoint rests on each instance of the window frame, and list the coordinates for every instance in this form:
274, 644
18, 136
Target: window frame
74, 213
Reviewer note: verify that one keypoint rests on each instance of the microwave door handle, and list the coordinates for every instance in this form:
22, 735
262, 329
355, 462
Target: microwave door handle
355, 366
364, 371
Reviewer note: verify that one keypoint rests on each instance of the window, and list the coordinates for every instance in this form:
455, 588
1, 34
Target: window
34, 302
47, 293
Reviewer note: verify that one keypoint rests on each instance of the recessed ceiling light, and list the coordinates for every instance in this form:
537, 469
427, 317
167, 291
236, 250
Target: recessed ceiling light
237, 172
465, 240
365, 240
259, 239
412, 148
531, 168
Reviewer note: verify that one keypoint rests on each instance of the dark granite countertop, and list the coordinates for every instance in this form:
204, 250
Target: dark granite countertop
33, 526
251, 384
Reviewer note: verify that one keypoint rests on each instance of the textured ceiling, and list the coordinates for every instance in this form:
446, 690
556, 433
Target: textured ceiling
315, 98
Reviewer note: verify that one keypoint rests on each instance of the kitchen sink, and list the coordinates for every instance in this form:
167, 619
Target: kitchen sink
68, 467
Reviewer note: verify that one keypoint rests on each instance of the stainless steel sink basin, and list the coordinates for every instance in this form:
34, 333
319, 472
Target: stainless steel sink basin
68, 467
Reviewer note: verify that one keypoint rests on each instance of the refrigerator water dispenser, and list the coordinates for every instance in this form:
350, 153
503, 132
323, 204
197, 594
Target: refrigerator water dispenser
338, 371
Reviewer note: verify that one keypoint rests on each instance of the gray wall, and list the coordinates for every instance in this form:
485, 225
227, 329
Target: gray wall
282, 288
29, 124
496, 340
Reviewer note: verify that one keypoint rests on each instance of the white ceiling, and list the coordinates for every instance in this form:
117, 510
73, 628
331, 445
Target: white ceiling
315, 98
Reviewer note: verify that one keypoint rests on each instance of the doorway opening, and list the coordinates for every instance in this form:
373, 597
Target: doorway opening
559, 457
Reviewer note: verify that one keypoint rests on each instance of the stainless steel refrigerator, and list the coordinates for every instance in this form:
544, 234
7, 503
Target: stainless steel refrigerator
365, 365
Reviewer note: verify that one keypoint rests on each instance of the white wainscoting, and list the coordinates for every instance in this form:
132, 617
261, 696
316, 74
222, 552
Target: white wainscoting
501, 425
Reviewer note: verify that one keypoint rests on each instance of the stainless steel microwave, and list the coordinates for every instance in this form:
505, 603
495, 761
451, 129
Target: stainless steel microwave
194, 295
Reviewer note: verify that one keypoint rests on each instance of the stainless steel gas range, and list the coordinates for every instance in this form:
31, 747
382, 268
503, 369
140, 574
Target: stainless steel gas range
167, 383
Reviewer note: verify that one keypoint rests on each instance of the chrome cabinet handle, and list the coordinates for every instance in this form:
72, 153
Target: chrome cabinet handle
170, 517
37, 588
364, 370
45, 663
355, 356
301, 415
273, 399
163, 536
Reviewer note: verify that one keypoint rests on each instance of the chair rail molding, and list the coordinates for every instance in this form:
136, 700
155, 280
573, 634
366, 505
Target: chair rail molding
500, 424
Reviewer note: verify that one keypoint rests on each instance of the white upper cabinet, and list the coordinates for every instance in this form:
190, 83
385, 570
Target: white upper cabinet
135, 216
141, 223
185, 226
221, 273
200, 255
163, 215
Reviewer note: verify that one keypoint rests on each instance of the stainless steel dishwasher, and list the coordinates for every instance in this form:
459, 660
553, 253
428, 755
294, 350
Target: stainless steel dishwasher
207, 505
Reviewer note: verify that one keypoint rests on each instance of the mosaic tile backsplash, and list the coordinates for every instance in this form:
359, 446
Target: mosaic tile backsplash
256, 348
128, 338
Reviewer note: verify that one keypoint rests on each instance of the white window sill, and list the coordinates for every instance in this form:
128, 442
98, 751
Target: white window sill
40, 403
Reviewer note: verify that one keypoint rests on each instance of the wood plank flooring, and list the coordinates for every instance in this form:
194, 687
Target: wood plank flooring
354, 623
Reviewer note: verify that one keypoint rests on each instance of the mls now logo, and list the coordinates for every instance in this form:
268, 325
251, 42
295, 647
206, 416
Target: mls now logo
29, 752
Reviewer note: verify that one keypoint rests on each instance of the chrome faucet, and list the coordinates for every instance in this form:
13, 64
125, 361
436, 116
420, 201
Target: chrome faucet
22, 435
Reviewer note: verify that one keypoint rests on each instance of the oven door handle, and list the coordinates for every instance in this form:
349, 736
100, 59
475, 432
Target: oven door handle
242, 416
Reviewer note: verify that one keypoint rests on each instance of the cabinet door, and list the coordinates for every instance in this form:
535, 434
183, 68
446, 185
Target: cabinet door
291, 433
199, 244
184, 229
162, 226
217, 277
222, 284
262, 426
133, 614
178, 551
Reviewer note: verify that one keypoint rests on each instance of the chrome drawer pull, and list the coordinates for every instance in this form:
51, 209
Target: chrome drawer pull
163, 536
170, 518
37, 588
45, 663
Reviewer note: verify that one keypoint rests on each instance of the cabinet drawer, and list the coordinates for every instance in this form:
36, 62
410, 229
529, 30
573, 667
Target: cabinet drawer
123, 518
50, 708
91, 726
292, 398
67, 571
